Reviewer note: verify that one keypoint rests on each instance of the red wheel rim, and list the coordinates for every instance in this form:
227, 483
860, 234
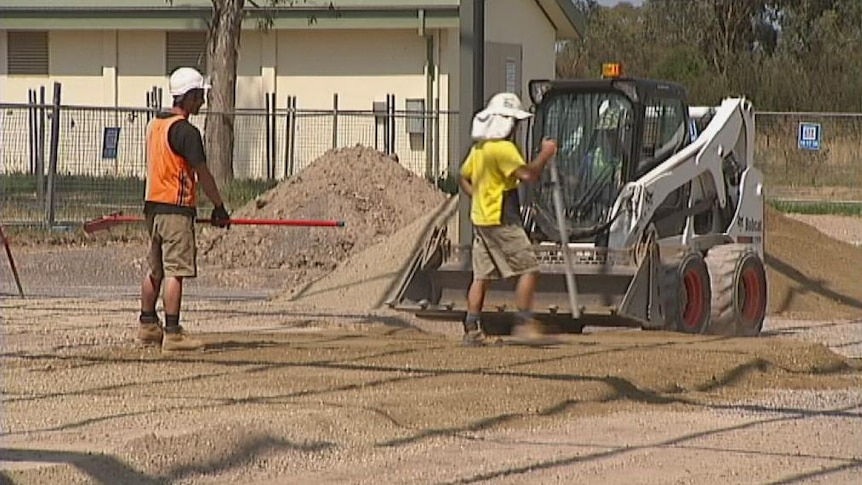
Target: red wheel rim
752, 295
693, 313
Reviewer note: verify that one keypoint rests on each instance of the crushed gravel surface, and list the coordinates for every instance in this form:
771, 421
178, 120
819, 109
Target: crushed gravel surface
809, 272
316, 386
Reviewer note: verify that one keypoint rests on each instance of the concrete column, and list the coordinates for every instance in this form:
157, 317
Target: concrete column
471, 94
109, 68
268, 63
4, 66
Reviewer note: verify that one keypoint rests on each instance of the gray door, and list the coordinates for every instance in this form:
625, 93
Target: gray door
503, 69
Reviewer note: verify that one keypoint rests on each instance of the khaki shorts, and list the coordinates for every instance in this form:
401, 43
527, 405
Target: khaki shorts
173, 253
502, 252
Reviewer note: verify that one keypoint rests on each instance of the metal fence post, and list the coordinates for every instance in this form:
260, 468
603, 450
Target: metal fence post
31, 128
386, 126
435, 134
52, 163
269, 154
40, 147
392, 149
273, 130
290, 127
335, 121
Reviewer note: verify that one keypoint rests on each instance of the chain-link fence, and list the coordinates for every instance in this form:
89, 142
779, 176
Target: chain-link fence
64, 164
810, 156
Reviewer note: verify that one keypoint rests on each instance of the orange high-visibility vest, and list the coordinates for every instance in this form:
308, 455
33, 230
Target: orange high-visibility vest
170, 178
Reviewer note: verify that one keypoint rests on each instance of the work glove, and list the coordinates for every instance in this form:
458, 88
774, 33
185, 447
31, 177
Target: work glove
220, 217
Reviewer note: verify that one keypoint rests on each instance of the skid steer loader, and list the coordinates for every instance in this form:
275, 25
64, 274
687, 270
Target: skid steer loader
662, 209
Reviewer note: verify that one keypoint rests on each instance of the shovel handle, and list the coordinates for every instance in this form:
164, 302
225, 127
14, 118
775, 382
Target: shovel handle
108, 221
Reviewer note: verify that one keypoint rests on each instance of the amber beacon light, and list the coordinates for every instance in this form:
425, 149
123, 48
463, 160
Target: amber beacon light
611, 70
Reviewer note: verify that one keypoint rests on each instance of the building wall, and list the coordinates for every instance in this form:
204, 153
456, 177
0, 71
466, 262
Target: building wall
118, 68
140, 66
360, 66
522, 22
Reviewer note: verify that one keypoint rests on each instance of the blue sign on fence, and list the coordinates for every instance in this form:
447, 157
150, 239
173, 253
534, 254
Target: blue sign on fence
110, 142
809, 136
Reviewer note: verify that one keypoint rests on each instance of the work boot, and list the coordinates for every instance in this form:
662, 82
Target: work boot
150, 333
177, 340
478, 338
532, 332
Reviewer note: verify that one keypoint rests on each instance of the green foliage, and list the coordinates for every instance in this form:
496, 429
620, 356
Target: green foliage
242, 191
818, 207
447, 184
785, 55
91, 196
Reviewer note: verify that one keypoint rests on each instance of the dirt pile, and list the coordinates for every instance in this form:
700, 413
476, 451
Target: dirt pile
366, 280
371, 193
810, 274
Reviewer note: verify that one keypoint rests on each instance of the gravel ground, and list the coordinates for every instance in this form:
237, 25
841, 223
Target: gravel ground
289, 392
845, 228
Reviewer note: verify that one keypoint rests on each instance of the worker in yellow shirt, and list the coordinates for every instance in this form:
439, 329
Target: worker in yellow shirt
501, 248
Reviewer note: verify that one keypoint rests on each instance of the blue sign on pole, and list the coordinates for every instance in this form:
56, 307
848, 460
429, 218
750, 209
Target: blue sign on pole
810, 135
110, 142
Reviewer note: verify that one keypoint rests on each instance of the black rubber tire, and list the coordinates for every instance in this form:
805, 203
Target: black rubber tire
686, 304
739, 290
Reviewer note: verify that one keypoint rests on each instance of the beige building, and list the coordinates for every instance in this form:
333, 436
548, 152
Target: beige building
111, 53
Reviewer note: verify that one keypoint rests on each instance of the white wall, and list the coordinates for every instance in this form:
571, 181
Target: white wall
522, 22
3, 66
118, 68
75, 61
140, 66
361, 67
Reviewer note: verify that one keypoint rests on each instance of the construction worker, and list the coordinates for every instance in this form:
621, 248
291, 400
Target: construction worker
490, 175
176, 162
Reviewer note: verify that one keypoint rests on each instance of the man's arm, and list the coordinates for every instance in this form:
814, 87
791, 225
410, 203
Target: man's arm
466, 174
208, 184
532, 171
465, 184
186, 140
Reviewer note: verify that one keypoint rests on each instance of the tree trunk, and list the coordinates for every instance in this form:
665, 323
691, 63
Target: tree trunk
223, 47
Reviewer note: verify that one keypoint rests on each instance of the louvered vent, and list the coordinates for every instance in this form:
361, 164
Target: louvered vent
186, 49
27, 53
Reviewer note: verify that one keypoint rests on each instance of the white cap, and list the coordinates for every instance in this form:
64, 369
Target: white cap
507, 104
184, 79
496, 121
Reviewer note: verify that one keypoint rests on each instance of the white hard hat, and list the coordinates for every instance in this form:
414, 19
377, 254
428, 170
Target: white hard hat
496, 121
507, 104
184, 79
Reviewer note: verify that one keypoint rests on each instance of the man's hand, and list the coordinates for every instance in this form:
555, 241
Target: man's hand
549, 146
532, 171
220, 217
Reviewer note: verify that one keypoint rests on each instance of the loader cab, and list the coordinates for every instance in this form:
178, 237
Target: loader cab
609, 132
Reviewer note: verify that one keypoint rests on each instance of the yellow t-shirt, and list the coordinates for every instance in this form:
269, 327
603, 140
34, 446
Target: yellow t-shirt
490, 167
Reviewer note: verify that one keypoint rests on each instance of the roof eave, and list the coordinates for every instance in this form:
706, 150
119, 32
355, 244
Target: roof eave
195, 17
568, 20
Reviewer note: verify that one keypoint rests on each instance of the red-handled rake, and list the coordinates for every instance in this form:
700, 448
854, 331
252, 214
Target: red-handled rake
106, 222
11, 262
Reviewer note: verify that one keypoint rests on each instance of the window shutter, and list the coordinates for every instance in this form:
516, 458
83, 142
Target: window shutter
186, 49
27, 53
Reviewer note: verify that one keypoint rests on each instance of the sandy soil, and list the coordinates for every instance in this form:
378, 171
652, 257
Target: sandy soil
289, 393
316, 386
285, 397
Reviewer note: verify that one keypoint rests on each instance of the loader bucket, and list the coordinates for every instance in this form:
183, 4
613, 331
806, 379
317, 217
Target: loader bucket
615, 287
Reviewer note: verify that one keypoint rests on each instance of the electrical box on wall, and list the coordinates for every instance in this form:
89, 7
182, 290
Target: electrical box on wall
379, 108
415, 116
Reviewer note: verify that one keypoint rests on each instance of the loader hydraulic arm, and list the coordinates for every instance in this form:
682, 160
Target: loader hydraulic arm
730, 131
